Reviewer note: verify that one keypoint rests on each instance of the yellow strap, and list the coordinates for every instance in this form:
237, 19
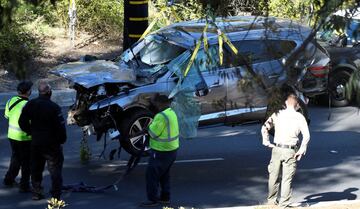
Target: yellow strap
221, 51
206, 43
177, 18
138, 2
148, 29
193, 56
228, 42
138, 18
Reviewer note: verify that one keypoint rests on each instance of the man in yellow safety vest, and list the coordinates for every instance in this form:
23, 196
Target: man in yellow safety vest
164, 142
19, 140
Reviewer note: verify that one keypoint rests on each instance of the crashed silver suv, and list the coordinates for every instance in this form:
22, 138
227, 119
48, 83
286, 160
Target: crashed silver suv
116, 96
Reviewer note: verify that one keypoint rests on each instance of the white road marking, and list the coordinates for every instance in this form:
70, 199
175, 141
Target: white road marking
178, 161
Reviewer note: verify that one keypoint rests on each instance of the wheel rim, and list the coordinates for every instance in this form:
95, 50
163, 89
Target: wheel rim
136, 127
339, 90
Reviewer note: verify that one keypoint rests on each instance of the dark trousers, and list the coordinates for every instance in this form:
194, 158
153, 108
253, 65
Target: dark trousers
158, 174
20, 159
54, 158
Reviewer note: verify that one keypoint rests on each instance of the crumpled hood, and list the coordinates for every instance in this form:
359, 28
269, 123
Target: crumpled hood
89, 74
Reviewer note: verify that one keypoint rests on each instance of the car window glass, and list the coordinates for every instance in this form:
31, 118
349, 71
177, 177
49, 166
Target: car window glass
159, 52
178, 64
206, 61
255, 51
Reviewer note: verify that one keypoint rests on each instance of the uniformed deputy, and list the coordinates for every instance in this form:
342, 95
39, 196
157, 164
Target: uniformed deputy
288, 125
19, 140
164, 142
43, 119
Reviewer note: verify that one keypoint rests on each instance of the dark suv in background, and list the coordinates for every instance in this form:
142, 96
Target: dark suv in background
117, 96
344, 50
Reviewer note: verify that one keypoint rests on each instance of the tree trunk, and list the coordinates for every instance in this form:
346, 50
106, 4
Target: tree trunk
136, 16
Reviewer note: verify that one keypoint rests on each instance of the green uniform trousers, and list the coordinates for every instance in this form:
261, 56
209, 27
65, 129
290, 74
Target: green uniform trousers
282, 169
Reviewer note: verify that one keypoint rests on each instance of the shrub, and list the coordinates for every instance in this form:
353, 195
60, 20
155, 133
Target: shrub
17, 49
95, 16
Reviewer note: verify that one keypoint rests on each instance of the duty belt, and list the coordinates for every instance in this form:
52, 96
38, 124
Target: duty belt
286, 146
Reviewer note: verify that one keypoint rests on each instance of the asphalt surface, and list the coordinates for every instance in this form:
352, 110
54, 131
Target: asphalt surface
222, 167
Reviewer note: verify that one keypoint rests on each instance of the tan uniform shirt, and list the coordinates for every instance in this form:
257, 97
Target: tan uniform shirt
288, 125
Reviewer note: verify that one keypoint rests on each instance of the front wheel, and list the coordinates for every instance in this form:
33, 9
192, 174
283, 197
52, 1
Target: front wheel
337, 88
132, 124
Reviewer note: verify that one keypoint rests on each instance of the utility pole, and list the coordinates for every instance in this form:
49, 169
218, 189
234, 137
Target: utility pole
136, 16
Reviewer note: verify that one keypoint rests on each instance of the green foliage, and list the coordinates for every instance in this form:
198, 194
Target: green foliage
285, 8
17, 49
104, 16
26, 13
353, 87
185, 10
85, 153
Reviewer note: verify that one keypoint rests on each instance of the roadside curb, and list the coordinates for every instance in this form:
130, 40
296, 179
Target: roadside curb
309, 205
63, 98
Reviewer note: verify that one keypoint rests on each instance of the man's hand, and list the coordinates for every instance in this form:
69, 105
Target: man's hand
271, 146
298, 156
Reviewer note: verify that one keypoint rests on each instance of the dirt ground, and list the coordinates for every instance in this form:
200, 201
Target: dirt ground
59, 50
334, 206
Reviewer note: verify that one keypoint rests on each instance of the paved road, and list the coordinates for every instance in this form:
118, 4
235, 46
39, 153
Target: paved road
223, 166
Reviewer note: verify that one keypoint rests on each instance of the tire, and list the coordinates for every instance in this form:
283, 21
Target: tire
337, 83
131, 124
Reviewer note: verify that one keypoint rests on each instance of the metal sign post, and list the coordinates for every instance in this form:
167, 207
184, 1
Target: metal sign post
72, 22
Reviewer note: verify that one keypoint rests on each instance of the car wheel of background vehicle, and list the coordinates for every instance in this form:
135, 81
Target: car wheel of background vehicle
133, 123
337, 83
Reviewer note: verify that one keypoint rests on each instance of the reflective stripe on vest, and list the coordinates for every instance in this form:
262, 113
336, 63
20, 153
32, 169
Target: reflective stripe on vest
14, 131
168, 139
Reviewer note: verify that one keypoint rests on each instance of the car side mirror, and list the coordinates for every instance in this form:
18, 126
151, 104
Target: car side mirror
176, 79
201, 89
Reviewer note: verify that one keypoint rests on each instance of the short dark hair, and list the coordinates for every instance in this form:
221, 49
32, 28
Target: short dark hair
24, 86
160, 102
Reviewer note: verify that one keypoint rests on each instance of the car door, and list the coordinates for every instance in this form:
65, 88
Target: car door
211, 87
256, 68
204, 83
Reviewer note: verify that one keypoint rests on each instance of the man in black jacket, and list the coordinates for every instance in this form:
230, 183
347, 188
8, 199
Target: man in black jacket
42, 119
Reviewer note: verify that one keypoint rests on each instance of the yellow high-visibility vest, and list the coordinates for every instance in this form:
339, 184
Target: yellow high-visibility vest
13, 115
164, 131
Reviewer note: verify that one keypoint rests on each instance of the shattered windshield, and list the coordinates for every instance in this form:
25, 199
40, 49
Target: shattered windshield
148, 55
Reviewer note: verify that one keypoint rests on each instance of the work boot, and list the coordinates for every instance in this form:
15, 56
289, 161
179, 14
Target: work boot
37, 194
148, 204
